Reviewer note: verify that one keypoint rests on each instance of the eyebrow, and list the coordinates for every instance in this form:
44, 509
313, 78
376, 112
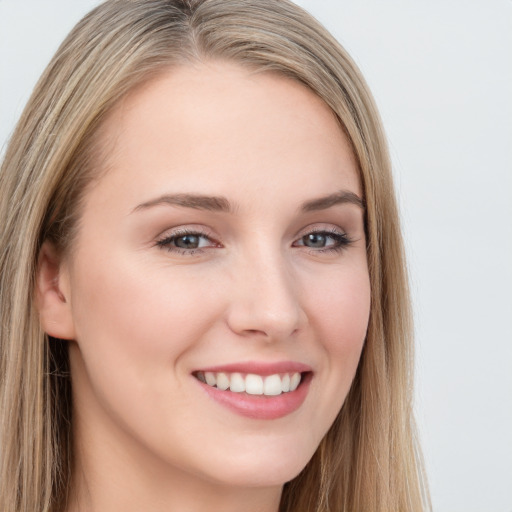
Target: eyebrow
195, 201
341, 197
221, 204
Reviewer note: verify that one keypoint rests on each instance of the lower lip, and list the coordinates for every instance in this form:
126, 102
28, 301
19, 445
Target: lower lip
261, 407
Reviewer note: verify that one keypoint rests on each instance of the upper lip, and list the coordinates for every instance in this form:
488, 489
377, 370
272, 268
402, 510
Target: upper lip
258, 367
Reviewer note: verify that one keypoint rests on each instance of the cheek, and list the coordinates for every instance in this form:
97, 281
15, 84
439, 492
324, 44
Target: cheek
135, 325
340, 314
132, 316
341, 308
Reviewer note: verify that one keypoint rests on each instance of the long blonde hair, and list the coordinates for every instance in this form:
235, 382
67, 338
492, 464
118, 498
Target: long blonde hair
369, 460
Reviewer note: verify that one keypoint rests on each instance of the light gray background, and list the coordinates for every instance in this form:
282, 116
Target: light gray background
441, 72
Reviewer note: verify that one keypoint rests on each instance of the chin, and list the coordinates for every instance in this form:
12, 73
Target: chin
257, 471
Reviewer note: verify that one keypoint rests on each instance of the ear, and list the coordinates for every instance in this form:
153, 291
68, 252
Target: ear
53, 294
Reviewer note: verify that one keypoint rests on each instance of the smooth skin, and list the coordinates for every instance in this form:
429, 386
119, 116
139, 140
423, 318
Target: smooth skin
151, 292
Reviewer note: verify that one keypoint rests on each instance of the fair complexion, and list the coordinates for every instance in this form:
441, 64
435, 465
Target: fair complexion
165, 286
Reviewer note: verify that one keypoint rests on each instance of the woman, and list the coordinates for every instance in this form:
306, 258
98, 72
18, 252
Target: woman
204, 302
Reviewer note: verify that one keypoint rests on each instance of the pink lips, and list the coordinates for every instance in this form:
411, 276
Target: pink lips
260, 406
260, 368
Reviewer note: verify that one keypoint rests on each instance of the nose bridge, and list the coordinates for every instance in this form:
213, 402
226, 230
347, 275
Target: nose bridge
266, 299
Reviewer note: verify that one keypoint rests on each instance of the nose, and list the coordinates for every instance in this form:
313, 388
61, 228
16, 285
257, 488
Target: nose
265, 299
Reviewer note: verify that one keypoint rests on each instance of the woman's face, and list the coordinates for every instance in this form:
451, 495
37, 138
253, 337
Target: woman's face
224, 242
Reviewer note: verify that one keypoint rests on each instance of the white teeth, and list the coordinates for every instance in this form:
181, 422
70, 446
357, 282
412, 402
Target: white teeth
237, 383
211, 380
294, 381
222, 381
252, 384
285, 383
272, 385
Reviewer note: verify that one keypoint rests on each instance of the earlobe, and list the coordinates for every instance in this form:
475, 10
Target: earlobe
52, 294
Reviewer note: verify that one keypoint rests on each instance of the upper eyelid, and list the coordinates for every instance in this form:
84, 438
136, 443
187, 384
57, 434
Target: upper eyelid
319, 228
192, 230
333, 233
183, 231
177, 234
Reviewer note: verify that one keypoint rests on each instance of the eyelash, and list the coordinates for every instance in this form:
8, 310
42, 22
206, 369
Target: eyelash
341, 241
166, 242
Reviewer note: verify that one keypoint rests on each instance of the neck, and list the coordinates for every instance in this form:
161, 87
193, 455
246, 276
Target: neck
185, 496
112, 474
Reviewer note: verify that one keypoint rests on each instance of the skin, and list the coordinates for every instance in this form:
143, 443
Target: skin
142, 317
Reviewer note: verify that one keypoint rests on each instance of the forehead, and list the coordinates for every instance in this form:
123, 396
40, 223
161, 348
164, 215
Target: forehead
219, 128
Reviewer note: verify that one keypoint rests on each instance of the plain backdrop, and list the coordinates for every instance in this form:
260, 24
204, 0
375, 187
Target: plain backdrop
441, 73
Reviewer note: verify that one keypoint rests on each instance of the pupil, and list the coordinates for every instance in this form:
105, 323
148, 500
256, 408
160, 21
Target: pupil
187, 242
315, 240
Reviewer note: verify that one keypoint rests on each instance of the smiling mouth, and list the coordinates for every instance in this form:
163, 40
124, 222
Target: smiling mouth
250, 383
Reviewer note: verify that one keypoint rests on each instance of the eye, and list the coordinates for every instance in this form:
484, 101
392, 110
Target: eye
189, 241
322, 241
186, 242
